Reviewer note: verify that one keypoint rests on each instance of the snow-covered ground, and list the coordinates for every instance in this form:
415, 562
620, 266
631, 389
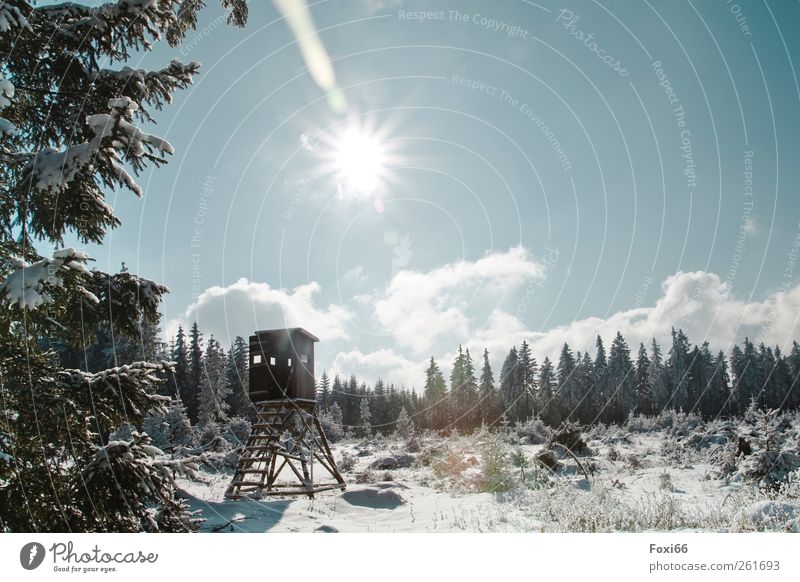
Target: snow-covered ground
637, 481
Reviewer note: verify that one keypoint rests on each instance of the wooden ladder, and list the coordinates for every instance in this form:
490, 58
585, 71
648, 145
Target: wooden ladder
287, 434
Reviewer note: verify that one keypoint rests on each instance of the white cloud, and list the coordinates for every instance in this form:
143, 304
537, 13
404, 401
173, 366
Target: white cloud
385, 364
245, 306
422, 309
698, 302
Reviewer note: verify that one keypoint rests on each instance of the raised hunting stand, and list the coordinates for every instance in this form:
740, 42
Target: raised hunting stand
287, 433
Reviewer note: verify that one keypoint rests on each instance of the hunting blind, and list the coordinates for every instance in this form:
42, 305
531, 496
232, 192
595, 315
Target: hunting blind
287, 438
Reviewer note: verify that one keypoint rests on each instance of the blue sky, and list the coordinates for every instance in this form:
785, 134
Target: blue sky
533, 184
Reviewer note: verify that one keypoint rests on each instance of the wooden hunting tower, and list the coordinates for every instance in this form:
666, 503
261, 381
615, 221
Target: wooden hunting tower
287, 432
282, 364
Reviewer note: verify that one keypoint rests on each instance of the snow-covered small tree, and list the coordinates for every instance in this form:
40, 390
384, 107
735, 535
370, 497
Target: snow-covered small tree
238, 429
237, 373
155, 425
404, 425
194, 380
214, 389
180, 433
365, 416
331, 423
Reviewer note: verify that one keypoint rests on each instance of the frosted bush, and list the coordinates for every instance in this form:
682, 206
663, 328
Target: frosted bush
534, 429
237, 431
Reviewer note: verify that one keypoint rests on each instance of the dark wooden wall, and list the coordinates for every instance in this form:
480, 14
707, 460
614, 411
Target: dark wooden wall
274, 378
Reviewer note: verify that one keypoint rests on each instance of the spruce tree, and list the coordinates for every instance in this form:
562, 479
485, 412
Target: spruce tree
793, 394
767, 385
658, 379
180, 355
526, 378
622, 392
777, 398
599, 396
701, 371
546, 402
716, 402
68, 135
509, 385
214, 390
403, 425
470, 412
746, 376
365, 418
678, 371
567, 394
642, 385
324, 392
379, 407
435, 397
491, 404
180, 432
194, 383
237, 375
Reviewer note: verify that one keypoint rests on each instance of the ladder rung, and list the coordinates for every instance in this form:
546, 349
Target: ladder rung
262, 471
271, 452
248, 484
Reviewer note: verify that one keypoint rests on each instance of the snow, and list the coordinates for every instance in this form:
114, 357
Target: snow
767, 514
53, 168
27, 284
12, 17
7, 127
6, 95
637, 484
6, 92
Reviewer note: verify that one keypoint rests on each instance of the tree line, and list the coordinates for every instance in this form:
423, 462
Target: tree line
605, 386
210, 384
608, 386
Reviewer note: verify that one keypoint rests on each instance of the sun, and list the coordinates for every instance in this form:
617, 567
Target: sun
359, 159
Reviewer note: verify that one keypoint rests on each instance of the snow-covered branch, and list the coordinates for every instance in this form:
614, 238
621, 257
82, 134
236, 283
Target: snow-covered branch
30, 286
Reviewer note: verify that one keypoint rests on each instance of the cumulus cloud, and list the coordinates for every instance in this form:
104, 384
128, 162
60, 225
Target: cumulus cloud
245, 306
698, 302
430, 313
385, 364
422, 309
